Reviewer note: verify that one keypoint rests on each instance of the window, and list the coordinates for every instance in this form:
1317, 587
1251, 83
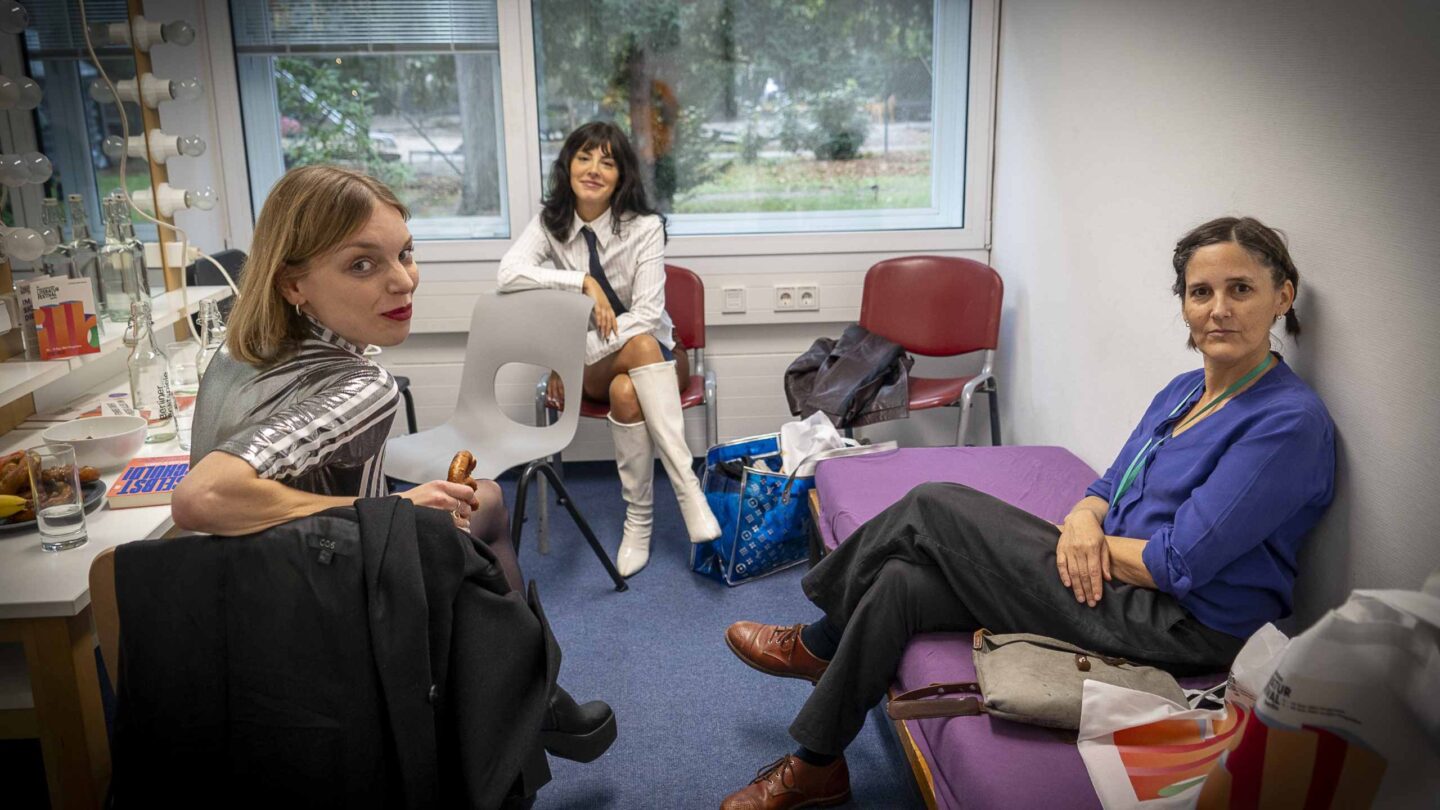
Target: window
407, 91
754, 116
70, 125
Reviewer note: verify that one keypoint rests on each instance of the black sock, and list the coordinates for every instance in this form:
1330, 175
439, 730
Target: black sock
821, 638
815, 758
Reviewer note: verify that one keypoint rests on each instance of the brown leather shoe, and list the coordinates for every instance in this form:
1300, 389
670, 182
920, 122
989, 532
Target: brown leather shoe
791, 782
775, 650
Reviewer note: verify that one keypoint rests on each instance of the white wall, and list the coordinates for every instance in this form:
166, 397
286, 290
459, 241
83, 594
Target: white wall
1123, 123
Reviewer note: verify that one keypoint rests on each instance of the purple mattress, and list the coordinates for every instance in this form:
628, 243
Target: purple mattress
974, 762
1045, 481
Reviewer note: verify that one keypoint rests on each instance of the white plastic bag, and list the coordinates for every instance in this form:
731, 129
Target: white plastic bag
1142, 751
807, 437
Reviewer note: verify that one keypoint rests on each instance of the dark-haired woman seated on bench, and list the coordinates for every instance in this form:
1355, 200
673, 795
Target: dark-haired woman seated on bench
1185, 546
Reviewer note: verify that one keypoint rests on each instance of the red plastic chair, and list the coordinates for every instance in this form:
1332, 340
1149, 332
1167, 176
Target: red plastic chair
685, 301
939, 306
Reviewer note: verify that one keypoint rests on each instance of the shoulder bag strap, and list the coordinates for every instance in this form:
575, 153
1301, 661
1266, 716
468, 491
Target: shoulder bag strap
930, 701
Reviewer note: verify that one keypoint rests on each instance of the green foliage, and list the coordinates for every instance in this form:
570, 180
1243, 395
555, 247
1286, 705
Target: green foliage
840, 124
333, 108
725, 60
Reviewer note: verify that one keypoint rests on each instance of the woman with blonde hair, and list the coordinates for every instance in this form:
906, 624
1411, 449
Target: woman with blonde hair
293, 419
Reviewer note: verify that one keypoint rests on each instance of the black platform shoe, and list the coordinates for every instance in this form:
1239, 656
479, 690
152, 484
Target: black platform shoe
574, 731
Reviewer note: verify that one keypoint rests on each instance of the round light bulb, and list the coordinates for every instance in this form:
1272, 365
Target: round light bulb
186, 89
100, 91
112, 146
30, 93
190, 145
23, 244
178, 32
202, 198
13, 18
13, 171
38, 168
9, 92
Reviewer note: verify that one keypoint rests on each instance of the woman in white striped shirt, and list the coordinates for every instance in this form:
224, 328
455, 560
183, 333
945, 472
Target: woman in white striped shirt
600, 237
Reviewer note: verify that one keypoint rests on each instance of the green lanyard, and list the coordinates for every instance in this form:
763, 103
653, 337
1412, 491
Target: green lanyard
1133, 471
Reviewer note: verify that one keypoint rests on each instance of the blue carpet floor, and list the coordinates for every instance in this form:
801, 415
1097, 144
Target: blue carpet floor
694, 723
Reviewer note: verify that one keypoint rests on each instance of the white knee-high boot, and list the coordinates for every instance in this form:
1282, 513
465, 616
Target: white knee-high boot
635, 458
659, 396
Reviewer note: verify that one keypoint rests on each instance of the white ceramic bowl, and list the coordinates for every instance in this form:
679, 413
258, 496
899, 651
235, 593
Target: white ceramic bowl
103, 442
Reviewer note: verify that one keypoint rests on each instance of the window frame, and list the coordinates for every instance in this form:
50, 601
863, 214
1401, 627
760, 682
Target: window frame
522, 181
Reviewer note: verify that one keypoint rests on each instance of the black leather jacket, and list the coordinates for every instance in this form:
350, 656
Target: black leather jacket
859, 380
362, 657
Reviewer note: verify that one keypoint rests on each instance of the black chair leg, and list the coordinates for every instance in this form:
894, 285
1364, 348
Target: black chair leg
994, 415
409, 409
518, 519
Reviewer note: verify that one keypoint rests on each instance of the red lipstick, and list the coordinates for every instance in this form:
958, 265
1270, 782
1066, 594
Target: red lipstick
398, 314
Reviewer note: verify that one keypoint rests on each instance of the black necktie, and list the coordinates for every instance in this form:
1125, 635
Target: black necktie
598, 272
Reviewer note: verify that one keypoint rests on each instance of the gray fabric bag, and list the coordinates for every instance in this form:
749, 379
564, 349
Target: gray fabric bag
1030, 679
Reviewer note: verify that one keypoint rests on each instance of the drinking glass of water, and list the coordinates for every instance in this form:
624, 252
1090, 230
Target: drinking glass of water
59, 504
184, 376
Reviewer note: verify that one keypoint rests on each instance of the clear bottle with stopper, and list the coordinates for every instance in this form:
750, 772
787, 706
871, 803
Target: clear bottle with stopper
212, 335
84, 250
58, 259
119, 277
137, 248
150, 393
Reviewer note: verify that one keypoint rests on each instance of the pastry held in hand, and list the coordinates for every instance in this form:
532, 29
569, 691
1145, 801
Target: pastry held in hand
460, 468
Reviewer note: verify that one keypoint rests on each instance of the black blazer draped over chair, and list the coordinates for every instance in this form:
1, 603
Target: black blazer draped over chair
362, 657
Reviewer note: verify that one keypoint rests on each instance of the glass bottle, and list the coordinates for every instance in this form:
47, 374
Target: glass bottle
212, 335
58, 259
137, 248
84, 250
117, 264
150, 393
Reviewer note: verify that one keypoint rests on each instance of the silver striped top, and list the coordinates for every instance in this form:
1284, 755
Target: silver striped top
316, 420
634, 262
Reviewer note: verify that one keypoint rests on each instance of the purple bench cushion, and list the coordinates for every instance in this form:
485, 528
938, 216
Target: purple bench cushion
1044, 481
984, 762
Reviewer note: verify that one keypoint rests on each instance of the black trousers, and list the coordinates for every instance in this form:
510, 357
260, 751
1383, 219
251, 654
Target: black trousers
949, 558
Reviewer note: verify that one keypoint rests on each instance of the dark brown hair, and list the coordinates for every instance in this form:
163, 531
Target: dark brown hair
1264, 243
629, 198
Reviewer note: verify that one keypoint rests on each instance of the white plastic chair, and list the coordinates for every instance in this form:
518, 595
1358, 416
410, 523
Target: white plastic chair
541, 327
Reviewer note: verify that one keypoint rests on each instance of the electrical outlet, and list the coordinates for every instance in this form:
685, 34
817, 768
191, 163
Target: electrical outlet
734, 300
807, 297
784, 297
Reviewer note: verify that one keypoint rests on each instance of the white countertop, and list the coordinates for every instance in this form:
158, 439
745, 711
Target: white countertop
36, 583
19, 377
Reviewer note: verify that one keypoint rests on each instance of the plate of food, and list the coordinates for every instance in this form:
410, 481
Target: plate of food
15, 481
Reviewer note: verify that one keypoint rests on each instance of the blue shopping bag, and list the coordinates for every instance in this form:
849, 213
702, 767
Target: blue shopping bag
763, 527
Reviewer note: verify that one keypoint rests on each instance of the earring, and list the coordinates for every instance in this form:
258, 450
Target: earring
298, 313
1187, 323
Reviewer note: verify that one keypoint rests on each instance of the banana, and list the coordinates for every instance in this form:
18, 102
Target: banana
10, 504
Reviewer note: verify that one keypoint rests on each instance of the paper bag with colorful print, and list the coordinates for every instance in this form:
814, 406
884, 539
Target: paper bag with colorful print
1143, 751
1350, 718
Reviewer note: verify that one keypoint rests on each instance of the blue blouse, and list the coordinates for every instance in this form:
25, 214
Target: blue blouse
1226, 504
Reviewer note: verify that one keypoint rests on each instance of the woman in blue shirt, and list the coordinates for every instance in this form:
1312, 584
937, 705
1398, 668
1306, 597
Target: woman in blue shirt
1185, 546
